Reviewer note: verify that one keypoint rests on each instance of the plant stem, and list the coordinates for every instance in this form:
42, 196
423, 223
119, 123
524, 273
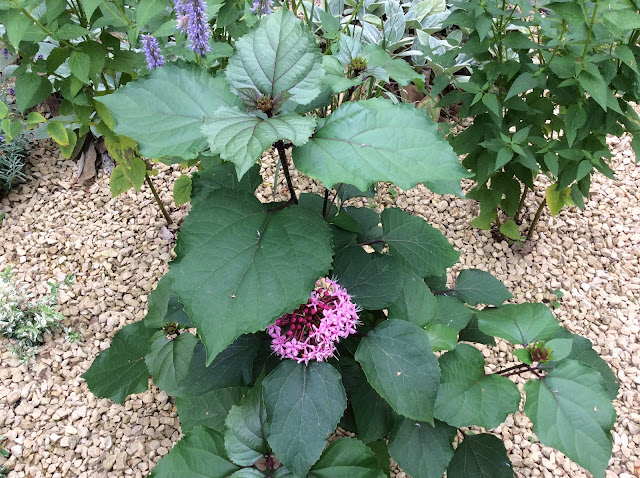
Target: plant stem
591, 23
326, 200
157, 198
527, 368
373, 241
333, 201
509, 369
444, 292
353, 15
521, 203
536, 219
285, 168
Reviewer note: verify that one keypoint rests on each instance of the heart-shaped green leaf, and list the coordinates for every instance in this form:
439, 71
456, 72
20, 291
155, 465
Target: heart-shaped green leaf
240, 265
242, 137
280, 55
571, 411
374, 140
397, 359
199, 453
420, 246
347, 457
475, 286
244, 438
467, 396
421, 449
480, 456
168, 360
304, 404
518, 323
120, 370
164, 111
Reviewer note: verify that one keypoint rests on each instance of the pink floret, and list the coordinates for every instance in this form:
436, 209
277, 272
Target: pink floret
312, 331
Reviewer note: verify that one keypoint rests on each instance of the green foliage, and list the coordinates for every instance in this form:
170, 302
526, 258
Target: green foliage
250, 281
549, 86
27, 321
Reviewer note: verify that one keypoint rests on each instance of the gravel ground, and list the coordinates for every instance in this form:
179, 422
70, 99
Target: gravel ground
117, 249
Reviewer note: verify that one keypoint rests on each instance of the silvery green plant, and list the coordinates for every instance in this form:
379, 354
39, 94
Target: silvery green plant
24, 320
280, 321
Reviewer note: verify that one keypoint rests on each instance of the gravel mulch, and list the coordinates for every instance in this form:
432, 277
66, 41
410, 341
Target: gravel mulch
118, 250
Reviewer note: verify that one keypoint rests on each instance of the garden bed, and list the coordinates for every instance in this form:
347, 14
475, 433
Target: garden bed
118, 250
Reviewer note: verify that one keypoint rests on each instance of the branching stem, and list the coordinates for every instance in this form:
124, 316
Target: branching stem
521, 203
536, 218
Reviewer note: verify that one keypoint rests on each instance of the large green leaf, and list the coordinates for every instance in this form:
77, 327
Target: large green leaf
168, 360
244, 438
120, 370
416, 303
518, 323
241, 137
223, 176
240, 265
480, 456
31, 89
452, 313
209, 409
231, 368
279, 56
467, 396
582, 351
475, 286
164, 111
374, 140
397, 359
347, 458
371, 279
421, 449
373, 414
421, 247
304, 404
163, 306
571, 411
199, 454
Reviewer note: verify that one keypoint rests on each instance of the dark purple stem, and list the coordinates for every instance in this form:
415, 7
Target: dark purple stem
324, 204
444, 292
285, 168
374, 241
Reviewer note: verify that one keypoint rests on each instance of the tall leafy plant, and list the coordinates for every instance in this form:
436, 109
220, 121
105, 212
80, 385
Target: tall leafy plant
71, 52
280, 321
550, 81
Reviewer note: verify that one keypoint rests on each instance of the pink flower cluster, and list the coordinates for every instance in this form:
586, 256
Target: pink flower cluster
311, 331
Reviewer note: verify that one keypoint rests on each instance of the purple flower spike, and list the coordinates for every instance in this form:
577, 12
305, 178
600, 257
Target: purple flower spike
262, 7
152, 51
5, 53
197, 26
12, 92
311, 331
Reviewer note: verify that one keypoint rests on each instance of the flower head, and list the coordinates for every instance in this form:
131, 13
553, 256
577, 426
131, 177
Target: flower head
540, 353
262, 7
192, 20
152, 52
311, 331
12, 91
